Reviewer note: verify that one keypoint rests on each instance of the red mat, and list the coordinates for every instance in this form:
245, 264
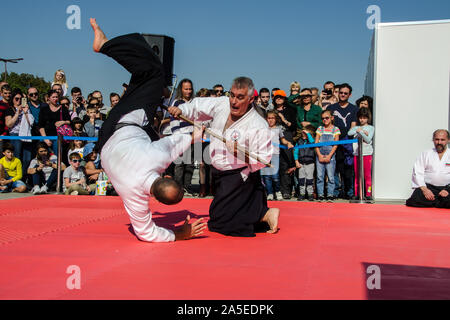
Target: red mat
322, 251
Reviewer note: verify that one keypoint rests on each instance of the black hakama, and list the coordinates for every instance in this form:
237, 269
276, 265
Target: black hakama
238, 205
418, 199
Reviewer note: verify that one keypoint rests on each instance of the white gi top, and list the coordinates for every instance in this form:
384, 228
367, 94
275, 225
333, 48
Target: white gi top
132, 163
250, 131
432, 170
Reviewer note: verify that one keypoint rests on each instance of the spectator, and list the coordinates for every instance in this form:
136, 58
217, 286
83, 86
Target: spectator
60, 78
77, 126
93, 168
264, 94
184, 166
34, 105
203, 92
58, 88
288, 121
325, 161
52, 117
273, 95
76, 146
114, 99
431, 175
65, 103
93, 126
102, 108
269, 175
19, 121
218, 90
315, 95
43, 169
2, 83
204, 168
366, 131
344, 114
326, 96
295, 88
74, 178
78, 102
11, 171
307, 113
365, 102
305, 163
4, 106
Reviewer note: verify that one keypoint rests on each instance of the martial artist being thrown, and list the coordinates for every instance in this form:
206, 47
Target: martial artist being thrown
239, 207
131, 155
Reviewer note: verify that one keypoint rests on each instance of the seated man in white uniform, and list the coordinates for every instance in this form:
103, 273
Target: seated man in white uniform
132, 158
431, 175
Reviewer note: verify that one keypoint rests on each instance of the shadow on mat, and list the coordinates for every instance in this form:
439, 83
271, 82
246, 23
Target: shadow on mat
168, 220
403, 282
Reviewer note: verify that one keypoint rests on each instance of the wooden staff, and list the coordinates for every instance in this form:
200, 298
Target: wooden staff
212, 133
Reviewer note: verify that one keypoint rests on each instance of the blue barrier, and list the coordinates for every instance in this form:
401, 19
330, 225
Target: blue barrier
320, 144
46, 138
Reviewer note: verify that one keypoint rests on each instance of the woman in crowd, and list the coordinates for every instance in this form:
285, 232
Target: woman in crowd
19, 120
60, 78
51, 117
43, 169
365, 102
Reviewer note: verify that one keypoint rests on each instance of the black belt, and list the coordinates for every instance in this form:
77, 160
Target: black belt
148, 129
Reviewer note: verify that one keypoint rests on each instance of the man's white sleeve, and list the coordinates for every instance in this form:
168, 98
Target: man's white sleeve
260, 144
202, 109
418, 176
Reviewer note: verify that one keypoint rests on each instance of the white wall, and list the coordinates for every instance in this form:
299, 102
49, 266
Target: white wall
411, 88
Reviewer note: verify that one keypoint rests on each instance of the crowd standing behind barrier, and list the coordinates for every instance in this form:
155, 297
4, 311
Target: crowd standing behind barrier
61, 130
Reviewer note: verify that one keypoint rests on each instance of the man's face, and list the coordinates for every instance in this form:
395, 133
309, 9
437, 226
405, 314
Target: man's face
306, 97
33, 94
315, 96
114, 100
6, 94
218, 91
91, 113
440, 141
329, 86
344, 94
98, 96
239, 101
75, 163
75, 96
265, 97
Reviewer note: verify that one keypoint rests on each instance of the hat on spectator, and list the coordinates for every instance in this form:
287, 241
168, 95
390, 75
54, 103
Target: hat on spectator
88, 149
279, 93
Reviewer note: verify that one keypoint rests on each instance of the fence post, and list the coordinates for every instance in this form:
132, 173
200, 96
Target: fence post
59, 148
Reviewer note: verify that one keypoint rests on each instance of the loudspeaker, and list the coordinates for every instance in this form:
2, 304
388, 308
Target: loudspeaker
163, 46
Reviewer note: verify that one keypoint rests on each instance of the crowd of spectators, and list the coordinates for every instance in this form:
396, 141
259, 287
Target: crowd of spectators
304, 116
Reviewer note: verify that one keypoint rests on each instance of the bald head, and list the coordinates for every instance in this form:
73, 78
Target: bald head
167, 191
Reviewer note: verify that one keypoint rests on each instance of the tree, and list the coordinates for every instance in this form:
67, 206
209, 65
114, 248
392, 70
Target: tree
24, 81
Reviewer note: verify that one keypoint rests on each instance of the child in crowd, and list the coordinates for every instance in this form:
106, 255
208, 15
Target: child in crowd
270, 175
366, 131
43, 169
74, 178
326, 160
92, 127
76, 146
11, 171
77, 126
92, 166
304, 161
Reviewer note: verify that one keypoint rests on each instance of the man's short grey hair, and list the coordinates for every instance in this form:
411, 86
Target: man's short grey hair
244, 82
441, 130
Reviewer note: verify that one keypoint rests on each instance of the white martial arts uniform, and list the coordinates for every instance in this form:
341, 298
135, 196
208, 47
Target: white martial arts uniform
250, 131
133, 162
429, 169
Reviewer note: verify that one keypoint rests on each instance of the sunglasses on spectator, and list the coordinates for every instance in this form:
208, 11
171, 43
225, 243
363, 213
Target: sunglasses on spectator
326, 118
76, 160
33, 94
305, 96
344, 93
65, 104
17, 99
219, 91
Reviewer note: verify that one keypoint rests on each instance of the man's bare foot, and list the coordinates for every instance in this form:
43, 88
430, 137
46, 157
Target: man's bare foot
271, 217
99, 36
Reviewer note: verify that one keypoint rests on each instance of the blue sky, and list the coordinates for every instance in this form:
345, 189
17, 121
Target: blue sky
274, 43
